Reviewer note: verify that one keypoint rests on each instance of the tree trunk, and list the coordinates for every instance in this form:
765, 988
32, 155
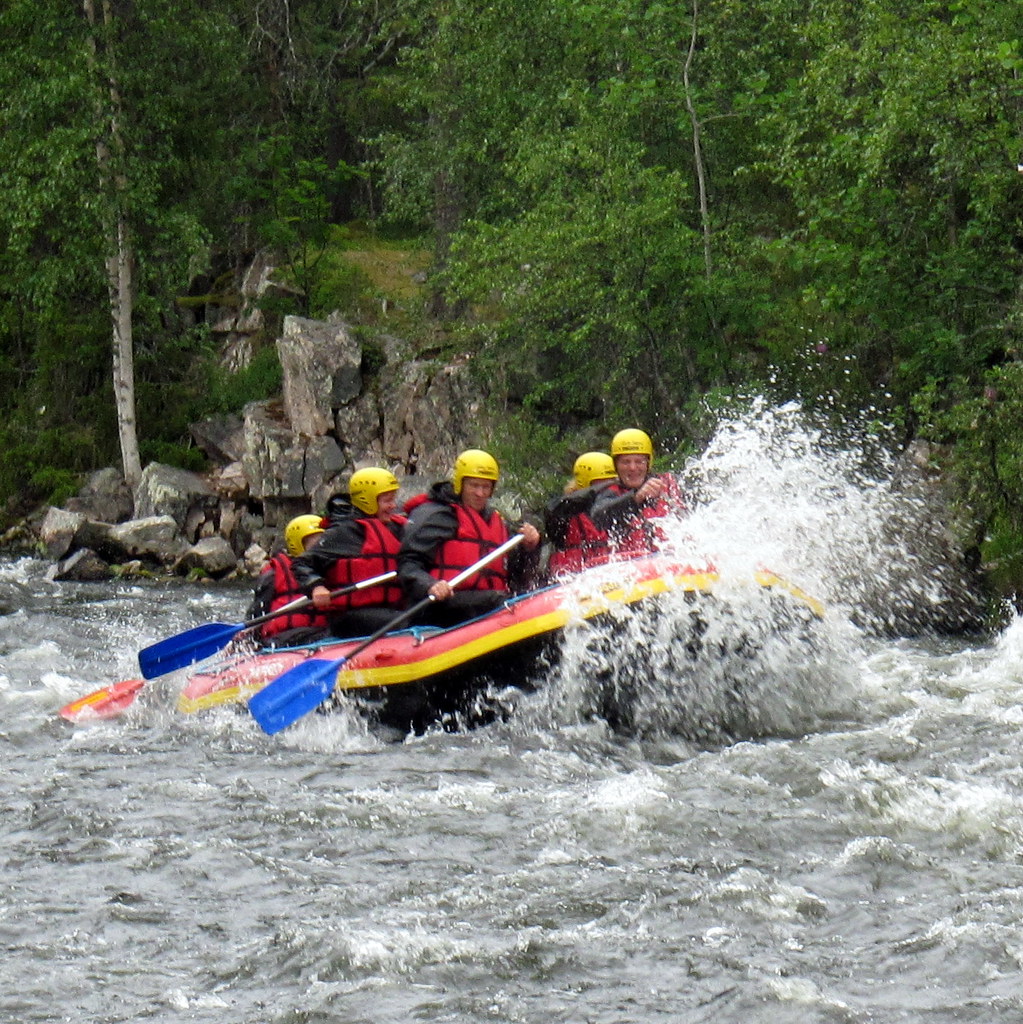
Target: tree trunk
120, 256
448, 213
694, 120
119, 278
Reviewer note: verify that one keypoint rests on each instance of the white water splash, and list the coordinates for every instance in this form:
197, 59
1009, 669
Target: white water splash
839, 519
862, 527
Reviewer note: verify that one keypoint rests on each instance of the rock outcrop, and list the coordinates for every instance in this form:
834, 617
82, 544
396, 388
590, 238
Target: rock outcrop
276, 459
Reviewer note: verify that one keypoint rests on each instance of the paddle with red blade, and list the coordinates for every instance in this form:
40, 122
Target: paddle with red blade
306, 686
178, 651
200, 642
106, 703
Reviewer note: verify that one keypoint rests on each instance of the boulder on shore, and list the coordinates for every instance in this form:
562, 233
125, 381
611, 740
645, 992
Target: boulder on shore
280, 457
84, 566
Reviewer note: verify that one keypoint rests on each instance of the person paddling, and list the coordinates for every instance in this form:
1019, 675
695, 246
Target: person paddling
449, 529
629, 508
577, 543
362, 541
277, 586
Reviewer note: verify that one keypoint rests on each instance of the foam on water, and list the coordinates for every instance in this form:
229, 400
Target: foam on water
842, 519
852, 520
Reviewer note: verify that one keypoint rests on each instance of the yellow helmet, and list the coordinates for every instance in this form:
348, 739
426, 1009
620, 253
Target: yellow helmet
592, 466
475, 463
297, 530
632, 442
367, 485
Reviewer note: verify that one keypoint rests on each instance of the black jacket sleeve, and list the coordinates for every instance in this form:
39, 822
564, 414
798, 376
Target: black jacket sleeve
614, 512
563, 509
429, 526
523, 566
560, 511
263, 594
344, 540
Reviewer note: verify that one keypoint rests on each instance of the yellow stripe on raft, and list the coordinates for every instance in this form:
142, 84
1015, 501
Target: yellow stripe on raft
769, 579
228, 695
588, 607
582, 607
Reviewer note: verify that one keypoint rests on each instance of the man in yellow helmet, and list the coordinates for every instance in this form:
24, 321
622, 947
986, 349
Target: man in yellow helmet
576, 541
629, 508
451, 527
362, 542
277, 586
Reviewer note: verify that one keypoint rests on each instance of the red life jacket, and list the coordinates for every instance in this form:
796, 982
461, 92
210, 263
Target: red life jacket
643, 535
584, 545
380, 549
414, 502
286, 589
474, 538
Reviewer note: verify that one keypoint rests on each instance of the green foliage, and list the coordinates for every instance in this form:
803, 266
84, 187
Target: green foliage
293, 192
41, 464
899, 142
230, 392
982, 433
535, 462
340, 286
636, 209
172, 453
56, 484
157, 71
374, 358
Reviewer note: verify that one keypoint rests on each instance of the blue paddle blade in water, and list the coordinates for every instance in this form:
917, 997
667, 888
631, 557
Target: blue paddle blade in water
295, 693
301, 689
186, 648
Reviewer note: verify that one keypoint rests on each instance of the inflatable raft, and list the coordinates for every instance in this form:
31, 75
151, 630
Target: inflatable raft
412, 679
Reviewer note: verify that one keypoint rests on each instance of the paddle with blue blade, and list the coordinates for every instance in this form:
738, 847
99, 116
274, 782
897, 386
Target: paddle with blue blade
196, 644
306, 686
181, 650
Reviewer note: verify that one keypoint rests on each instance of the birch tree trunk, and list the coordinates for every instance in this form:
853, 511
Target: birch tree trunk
694, 120
120, 257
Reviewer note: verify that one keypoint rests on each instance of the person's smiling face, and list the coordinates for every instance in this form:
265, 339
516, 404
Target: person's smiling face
386, 504
632, 469
476, 492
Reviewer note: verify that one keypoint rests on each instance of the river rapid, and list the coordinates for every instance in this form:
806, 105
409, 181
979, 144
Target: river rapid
832, 831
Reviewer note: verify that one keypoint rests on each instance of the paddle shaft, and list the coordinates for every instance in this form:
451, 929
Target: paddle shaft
112, 700
301, 689
304, 602
200, 642
411, 613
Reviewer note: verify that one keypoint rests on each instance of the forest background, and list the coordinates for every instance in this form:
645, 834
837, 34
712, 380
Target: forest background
630, 212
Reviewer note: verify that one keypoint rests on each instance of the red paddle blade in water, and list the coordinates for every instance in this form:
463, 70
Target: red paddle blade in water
106, 703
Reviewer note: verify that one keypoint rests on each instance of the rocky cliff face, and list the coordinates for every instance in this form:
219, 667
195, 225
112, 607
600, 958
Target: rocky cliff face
274, 460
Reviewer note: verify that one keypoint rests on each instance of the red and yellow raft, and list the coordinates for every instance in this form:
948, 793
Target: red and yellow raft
418, 675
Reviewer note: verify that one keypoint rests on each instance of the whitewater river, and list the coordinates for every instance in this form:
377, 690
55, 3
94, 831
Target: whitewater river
857, 858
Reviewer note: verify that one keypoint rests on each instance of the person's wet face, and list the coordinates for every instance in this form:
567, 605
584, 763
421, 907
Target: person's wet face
386, 504
632, 469
476, 492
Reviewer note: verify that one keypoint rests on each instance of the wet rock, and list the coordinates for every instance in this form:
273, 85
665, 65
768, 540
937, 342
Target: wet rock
256, 557
282, 458
238, 321
153, 537
92, 533
57, 531
285, 469
169, 491
322, 371
230, 481
83, 566
222, 438
104, 497
213, 556
432, 409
